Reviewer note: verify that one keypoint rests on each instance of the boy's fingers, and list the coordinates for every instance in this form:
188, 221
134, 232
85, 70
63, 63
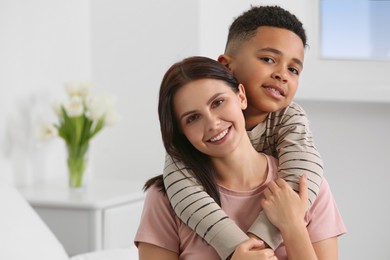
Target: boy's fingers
251, 244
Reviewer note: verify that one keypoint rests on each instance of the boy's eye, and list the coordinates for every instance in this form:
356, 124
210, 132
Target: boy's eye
217, 103
267, 59
294, 70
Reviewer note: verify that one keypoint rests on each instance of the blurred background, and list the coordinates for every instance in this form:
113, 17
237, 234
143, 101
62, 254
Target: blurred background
124, 48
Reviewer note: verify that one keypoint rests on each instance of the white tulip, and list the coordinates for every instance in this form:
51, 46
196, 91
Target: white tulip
56, 107
81, 103
82, 89
96, 107
74, 107
71, 88
112, 117
46, 132
85, 88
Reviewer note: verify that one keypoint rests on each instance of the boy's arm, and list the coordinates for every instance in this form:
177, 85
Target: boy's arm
288, 137
296, 150
199, 211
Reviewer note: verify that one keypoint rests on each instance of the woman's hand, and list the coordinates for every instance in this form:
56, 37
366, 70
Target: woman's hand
284, 207
253, 249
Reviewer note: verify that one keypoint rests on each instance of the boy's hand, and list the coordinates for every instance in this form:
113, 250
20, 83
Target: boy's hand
253, 249
284, 207
251, 235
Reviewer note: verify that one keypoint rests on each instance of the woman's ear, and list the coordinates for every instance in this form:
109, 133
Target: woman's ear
242, 96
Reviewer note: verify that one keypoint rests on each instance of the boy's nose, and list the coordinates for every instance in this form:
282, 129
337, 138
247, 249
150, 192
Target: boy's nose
280, 75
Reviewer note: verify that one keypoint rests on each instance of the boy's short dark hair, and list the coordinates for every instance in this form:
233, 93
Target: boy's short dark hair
245, 26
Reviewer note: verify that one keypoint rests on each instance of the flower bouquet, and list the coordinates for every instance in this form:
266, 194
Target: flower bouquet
81, 117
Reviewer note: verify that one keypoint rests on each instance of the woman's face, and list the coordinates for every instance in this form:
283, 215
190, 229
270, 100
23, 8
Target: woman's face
210, 115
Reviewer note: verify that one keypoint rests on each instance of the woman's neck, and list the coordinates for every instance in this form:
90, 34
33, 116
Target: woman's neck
243, 170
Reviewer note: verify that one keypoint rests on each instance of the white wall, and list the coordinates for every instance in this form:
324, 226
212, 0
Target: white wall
353, 139
43, 44
133, 44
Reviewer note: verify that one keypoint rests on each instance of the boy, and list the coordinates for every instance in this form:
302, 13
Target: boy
265, 51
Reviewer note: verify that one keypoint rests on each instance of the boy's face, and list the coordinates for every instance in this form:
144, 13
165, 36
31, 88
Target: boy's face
268, 65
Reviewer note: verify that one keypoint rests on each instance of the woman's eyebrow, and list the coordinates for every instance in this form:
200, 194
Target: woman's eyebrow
208, 103
214, 97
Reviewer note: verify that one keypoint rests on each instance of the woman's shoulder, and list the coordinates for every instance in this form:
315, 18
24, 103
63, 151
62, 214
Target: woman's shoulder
324, 218
154, 194
157, 207
272, 164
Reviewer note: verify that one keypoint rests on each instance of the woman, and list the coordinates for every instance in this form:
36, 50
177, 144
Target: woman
202, 125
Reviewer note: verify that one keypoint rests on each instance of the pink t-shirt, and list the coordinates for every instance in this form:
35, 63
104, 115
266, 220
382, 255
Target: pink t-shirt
161, 227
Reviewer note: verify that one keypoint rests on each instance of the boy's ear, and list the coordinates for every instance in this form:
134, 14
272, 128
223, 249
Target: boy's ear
224, 60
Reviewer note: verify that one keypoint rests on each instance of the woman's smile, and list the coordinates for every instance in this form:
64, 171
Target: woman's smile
220, 137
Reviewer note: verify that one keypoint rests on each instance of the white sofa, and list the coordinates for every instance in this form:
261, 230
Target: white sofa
24, 235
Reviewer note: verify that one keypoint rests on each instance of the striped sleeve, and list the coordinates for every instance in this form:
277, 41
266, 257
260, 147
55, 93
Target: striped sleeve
294, 146
287, 136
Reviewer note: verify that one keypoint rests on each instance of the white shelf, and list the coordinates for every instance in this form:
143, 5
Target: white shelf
105, 215
97, 195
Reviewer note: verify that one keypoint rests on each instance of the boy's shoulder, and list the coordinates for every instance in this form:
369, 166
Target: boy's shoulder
292, 110
293, 113
291, 116
289, 121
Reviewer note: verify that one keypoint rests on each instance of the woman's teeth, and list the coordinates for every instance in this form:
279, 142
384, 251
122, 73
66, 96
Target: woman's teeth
220, 136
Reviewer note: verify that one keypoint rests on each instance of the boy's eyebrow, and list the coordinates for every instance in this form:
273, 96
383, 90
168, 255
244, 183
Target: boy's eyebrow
208, 103
276, 51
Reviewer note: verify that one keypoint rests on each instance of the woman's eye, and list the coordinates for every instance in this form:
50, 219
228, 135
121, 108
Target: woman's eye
191, 118
217, 103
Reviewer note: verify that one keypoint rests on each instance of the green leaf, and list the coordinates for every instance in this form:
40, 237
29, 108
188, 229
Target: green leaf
86, 130
99, 125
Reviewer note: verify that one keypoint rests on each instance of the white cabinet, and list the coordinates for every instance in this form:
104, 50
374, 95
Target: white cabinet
104, 215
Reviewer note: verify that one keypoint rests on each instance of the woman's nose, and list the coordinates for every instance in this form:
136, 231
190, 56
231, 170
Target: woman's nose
213, 122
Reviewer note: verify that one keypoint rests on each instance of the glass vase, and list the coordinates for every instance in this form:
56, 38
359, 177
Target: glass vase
77, 165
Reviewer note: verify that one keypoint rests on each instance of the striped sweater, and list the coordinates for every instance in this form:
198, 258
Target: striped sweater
285, 134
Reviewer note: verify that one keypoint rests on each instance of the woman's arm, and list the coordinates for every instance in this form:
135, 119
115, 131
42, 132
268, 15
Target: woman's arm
148, 251
327, 249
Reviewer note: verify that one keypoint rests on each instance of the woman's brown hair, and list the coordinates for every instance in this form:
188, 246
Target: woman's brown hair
175, 142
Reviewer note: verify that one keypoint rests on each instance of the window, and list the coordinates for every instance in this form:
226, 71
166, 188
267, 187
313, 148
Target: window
355, 29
